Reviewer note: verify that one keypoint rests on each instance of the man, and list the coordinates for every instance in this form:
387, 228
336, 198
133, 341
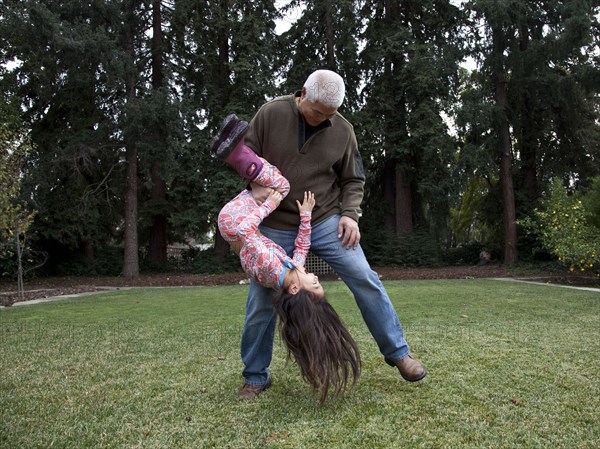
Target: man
316, 150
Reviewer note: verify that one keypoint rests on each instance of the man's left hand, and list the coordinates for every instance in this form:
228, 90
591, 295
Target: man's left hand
349, 233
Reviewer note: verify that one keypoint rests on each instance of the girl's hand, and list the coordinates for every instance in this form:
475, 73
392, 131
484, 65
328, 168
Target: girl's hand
275, 196
309, 202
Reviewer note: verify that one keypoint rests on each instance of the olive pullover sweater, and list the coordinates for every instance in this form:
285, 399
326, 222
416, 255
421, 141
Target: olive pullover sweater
327, 163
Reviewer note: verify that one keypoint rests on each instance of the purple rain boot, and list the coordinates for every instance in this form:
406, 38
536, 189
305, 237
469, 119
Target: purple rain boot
228, 144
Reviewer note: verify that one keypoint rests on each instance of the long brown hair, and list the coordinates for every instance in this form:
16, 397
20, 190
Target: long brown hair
316, 338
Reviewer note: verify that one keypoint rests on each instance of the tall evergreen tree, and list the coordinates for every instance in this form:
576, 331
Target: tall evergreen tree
224, 64
499, 85
157, 245
410, 59
535, 72
66, 54
553, 93
152, 120
131, 263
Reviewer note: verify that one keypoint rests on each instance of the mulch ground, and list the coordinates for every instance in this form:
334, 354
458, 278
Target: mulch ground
58, 286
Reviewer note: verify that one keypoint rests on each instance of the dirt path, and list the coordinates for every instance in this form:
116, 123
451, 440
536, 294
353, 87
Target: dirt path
39, 289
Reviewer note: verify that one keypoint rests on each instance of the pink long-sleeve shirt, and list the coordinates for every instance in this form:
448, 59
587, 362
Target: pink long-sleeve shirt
261, 258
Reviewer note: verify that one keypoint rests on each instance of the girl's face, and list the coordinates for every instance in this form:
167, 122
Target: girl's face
309, 282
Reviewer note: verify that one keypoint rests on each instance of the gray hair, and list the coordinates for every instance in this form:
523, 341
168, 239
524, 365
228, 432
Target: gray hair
326, 87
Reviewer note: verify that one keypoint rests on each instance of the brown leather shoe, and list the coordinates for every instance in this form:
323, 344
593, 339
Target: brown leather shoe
410, 369
249, 391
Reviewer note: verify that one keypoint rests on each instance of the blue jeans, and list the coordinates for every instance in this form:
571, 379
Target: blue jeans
352, 266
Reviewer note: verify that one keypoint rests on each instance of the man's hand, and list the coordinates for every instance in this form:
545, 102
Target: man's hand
349, 233
308, 204
260, 193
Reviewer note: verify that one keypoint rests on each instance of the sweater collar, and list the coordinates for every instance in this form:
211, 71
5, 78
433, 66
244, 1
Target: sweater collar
305, 131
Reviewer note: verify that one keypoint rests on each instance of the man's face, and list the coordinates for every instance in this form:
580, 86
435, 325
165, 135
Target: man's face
314, 113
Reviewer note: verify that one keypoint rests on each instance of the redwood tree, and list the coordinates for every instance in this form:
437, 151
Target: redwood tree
410, 70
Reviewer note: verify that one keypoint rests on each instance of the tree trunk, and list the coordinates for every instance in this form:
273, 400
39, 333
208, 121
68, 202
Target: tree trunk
389, 195
223, 76
330, 36
157, 248
404, 204
404, 195
20, 288
89, 254
157, 46
527, 140
223, 70
131, 265
157, 244
506, 177
397, 124
221, 247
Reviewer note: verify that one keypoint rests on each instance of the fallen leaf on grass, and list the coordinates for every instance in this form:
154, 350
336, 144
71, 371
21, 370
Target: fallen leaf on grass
276, 436
221, 357
516, 401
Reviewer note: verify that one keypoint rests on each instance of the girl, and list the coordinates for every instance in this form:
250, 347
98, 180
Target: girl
310, 328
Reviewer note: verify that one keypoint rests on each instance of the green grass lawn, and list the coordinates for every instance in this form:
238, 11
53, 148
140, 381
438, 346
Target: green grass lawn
511, 365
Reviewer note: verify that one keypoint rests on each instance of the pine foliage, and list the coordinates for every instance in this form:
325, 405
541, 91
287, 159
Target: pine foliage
93, 83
